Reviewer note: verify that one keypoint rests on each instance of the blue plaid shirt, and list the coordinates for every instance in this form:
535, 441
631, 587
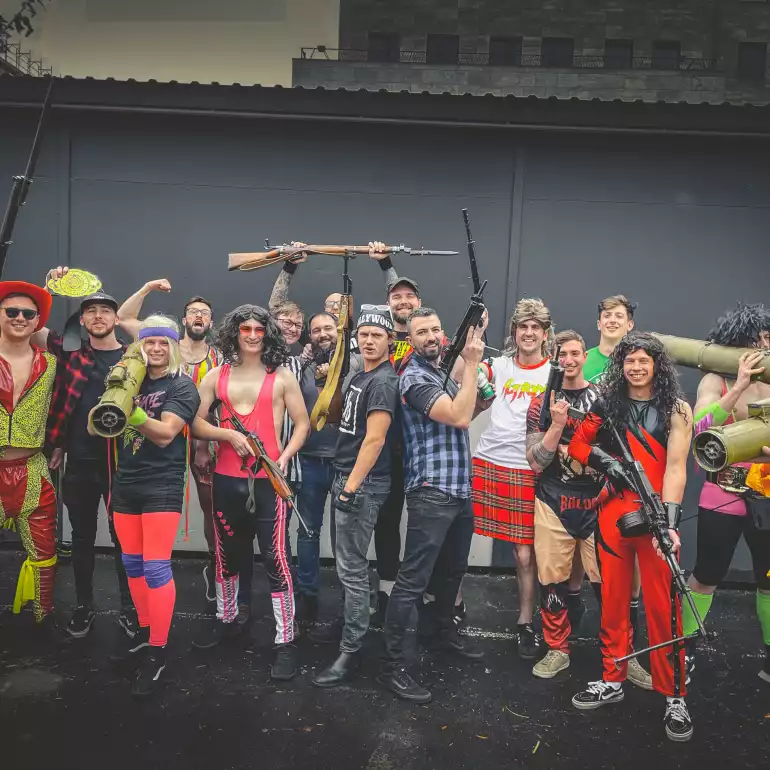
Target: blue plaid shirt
435, 455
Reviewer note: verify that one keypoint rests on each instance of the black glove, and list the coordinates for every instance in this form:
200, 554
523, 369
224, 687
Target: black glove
611, 467
348, 502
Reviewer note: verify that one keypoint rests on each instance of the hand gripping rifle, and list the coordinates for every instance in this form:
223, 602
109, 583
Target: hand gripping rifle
21, 184
472, 315
653, 518
286, 252
554, 385
261, 461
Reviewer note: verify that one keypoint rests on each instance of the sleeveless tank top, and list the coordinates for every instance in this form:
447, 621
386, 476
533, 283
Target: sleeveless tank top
258, 421
714, 498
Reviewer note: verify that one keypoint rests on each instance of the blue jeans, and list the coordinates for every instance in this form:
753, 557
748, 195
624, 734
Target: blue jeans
354, 533
317, 480
438, 535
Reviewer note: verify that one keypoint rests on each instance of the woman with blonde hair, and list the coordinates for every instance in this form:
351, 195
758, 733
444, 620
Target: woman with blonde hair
148, 490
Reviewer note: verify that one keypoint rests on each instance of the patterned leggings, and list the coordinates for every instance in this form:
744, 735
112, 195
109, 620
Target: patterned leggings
28, 505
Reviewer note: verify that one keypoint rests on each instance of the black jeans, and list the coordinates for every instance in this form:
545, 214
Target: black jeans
439, 534
387, 532
85, 483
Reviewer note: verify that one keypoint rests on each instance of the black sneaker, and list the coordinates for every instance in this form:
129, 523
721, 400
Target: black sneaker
527, 642
677, 720
148, 678
459, 614
401, 684
216, 633
454, 644
81, 622
596, 695
131, 648
764, 674
129, 622
209, 585
285, 664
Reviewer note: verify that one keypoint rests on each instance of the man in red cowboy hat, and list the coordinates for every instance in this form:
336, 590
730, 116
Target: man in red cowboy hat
27, 497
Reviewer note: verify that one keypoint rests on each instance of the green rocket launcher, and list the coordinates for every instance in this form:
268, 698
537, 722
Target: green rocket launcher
110, 416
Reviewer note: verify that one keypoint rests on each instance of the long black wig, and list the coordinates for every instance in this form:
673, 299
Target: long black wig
274, 350
666, 393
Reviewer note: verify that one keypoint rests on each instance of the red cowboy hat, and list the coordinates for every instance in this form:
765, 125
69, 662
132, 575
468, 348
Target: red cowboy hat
37, 294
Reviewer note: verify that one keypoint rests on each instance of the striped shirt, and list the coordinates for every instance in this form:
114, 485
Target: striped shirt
197, 371
435, 455
294, 475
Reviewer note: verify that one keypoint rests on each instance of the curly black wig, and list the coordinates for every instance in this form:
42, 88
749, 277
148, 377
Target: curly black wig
741, 327
666, 394
274, 350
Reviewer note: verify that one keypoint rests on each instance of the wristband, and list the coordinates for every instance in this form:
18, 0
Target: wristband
718, 415
138, 417
290, 267
674, 513
386, 264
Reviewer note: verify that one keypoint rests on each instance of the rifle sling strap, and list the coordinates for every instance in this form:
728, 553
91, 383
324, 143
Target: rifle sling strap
321, 409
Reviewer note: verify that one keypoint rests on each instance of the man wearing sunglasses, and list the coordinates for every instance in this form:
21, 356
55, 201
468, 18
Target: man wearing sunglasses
27, 497
199, 357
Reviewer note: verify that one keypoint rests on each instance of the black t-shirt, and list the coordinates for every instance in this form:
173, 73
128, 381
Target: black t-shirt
320, 443
80, 445
374, 391
141, 461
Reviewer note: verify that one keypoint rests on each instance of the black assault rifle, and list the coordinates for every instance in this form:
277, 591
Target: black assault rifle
653, 518
473, 314
21, 184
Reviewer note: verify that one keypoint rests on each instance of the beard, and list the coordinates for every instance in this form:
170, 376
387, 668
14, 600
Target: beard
196, 335
321, 355
401, 316
101, 335
432, 354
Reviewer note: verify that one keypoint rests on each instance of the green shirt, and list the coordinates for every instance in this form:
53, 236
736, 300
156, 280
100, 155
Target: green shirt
595, 364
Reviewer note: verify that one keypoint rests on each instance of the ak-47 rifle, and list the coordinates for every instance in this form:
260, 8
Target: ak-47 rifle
473, 314
21, 184
653, 518
261, 461
285, 252
328, 407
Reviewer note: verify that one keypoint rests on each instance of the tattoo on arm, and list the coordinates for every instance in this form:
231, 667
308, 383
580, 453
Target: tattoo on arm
542, 456
280, 291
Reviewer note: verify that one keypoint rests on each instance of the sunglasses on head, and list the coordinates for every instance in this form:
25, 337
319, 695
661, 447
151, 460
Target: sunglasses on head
252, 331
27, 313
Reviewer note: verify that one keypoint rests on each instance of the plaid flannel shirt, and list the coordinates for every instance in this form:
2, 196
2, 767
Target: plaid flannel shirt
435, 455
72, 373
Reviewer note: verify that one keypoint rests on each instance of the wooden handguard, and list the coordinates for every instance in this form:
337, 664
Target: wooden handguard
257, 259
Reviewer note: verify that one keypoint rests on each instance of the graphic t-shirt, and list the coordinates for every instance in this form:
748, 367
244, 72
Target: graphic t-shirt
80, 445
568, 488
595, 364
401, 353
141, 461
504, 441
375, 391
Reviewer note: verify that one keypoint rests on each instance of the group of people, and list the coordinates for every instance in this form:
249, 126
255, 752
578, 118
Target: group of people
545, 476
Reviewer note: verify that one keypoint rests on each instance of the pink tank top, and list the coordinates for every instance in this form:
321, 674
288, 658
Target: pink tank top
258, 421
714, 498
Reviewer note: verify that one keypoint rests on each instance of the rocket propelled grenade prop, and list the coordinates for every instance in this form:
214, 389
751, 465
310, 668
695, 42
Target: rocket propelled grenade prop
109, 417
285, 252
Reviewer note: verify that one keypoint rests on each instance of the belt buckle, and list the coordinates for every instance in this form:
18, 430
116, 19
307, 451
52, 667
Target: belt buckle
732, 479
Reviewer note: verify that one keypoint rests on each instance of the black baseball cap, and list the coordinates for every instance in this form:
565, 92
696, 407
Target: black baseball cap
99, 298
408, 281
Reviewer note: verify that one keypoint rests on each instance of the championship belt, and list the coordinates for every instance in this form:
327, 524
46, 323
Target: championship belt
328, 407
731, 479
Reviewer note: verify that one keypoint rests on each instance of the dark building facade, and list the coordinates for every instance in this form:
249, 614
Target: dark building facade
568, 201
687, 50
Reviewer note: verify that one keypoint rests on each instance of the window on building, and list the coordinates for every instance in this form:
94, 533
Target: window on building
442, 49
557, 51
618, 54
504, 51
384, 46
752, 61
666, 54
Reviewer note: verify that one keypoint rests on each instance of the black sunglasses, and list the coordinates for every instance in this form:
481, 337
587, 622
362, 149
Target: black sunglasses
28, 313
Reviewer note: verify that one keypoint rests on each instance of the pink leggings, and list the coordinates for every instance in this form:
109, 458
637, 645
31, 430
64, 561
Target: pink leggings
146, 540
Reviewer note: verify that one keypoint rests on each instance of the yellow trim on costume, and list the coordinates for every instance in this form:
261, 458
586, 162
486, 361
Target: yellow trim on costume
25, 587
758, 478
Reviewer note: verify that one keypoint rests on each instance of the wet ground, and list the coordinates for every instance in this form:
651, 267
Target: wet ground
71, 709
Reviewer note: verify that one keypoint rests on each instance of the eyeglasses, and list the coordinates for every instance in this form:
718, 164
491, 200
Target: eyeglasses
333, 304
27, 313
287, 324
194, 311
252, 331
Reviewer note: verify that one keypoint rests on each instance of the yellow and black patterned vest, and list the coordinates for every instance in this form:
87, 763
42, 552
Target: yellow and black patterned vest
24, 426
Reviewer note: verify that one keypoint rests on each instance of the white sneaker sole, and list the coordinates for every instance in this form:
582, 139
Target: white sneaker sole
550, 674
591, 706
679, 737
764, 676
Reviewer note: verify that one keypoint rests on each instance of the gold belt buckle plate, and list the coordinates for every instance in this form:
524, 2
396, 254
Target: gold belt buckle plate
733, 479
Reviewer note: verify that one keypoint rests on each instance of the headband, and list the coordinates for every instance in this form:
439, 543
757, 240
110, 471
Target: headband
158, 331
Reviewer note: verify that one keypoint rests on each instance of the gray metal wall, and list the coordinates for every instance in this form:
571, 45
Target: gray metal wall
678, 225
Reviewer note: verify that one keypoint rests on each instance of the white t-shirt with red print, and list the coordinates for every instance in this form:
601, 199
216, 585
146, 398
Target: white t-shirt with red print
504, 441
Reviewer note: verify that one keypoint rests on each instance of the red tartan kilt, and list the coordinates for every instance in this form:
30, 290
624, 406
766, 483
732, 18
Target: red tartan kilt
503, 502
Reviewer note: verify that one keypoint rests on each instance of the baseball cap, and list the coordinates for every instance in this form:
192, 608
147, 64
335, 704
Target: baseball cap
99, 298
408, 281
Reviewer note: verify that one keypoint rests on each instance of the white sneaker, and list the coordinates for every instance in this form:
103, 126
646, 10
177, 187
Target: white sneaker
597, 694
638, 676
677, 720
554, 662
